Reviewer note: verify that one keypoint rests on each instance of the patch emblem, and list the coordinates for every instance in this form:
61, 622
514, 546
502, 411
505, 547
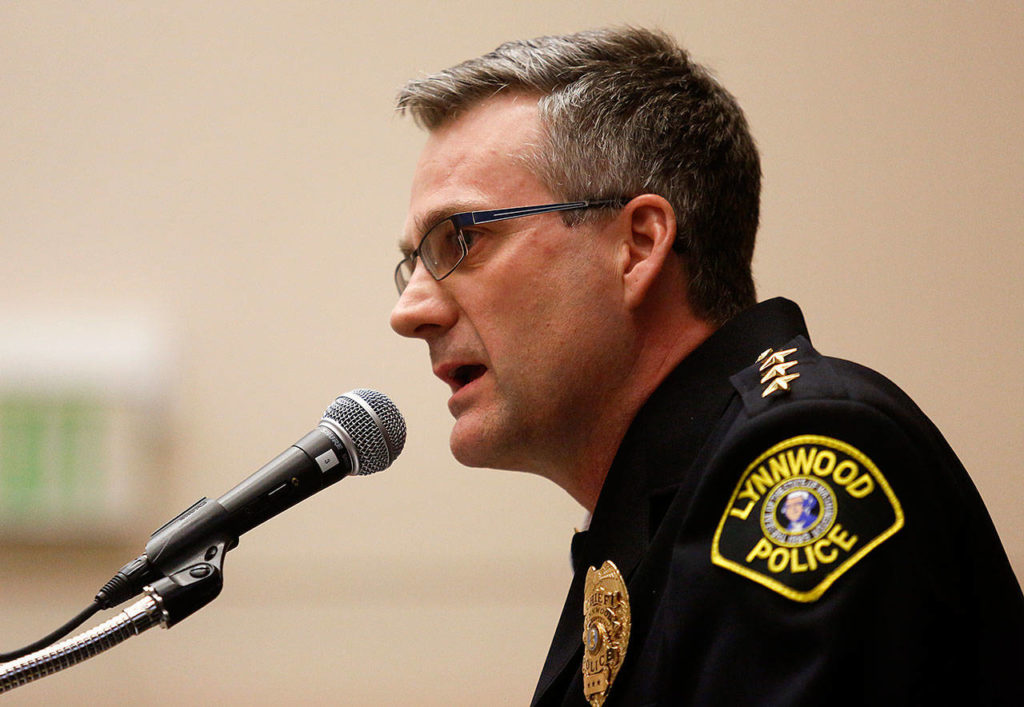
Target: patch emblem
803, 513
606, 623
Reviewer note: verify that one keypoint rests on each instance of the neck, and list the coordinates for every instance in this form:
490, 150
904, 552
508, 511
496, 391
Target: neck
581, 471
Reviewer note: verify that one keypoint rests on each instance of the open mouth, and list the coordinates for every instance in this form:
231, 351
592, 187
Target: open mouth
464, 375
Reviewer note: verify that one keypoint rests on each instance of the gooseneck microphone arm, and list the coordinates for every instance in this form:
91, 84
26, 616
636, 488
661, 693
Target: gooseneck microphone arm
140, 616
166, 602
181, 570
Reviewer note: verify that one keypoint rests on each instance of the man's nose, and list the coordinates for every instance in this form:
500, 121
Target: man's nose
424, 308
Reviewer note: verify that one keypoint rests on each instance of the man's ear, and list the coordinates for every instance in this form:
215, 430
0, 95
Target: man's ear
648, 229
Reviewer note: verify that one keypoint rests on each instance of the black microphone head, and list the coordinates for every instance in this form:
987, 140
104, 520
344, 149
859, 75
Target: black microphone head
373, 423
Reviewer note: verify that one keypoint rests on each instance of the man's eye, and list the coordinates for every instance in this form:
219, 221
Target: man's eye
470, 237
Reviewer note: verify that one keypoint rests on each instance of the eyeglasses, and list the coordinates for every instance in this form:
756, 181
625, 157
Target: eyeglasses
444, 246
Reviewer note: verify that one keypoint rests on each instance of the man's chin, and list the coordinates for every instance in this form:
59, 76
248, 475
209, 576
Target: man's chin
467, 453
474, 446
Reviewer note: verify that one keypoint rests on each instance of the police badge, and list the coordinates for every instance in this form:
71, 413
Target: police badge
606, 623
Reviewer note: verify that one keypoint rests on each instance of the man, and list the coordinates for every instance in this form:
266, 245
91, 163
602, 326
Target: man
577, 258
798, 508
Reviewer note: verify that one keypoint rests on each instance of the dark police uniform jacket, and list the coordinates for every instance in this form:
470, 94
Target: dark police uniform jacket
899, 593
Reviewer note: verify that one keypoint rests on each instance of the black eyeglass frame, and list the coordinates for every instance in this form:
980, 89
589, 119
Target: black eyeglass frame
474, 218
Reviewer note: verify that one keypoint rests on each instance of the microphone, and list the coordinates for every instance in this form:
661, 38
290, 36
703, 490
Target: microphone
362, 432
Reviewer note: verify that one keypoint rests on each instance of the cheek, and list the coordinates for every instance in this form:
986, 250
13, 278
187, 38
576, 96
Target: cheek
545, 301
543, 311
520, 299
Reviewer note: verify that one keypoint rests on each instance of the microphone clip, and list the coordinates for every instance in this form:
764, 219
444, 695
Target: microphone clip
191, 586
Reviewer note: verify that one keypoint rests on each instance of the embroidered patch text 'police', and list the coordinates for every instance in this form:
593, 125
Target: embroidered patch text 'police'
802, 514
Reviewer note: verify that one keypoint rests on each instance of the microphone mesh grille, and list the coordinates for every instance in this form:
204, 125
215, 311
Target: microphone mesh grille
377, 445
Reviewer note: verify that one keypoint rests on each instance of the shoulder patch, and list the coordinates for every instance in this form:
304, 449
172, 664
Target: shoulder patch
802, 514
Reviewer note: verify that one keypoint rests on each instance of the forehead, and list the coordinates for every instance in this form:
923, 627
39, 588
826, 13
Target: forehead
476, 162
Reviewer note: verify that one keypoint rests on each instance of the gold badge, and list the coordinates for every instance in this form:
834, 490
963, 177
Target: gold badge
605, 630
802, 514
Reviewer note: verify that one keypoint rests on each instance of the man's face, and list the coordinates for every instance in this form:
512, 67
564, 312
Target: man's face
793, 507
528, 331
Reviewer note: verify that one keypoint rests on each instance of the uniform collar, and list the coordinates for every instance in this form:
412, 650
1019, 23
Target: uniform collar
658, 449
672, 426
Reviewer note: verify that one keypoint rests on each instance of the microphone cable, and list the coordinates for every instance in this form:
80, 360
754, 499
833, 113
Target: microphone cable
55, 636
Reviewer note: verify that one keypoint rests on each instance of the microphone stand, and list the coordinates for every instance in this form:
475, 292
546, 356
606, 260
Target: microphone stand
194, 584
138, 617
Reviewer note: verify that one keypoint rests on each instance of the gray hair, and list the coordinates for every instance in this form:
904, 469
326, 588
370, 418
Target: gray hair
625, 112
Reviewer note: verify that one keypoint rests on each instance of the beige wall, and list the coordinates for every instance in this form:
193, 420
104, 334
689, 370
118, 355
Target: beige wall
232, 171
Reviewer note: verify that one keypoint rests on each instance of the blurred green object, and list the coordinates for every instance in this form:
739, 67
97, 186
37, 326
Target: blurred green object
50, 454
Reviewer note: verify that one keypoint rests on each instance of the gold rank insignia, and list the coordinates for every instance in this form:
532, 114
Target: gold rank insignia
774, 366
802, 514
606, 625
